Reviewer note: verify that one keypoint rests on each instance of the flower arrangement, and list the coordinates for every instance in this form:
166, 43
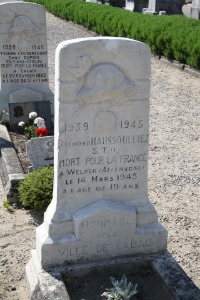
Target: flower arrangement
41, 131
37, 128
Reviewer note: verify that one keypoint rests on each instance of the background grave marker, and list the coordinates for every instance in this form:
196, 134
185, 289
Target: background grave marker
40, 151
23, 54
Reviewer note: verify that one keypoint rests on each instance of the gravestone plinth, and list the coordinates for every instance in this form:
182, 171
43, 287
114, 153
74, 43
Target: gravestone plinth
23, 54
100, 207
170, 6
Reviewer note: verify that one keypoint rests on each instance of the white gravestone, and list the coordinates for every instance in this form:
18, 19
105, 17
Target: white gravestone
100, 207
136, 5
152, 6
40, 151
23, 54
129, 5
195, 9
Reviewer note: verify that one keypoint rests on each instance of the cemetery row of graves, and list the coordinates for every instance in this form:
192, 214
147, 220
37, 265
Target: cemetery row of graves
175, 37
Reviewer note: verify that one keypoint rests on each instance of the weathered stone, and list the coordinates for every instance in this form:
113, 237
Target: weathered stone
11, 171
100, 207
23, 54
48, 284
40, 151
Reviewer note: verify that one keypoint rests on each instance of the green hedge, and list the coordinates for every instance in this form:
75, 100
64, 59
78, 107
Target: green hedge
36, 190
176, 37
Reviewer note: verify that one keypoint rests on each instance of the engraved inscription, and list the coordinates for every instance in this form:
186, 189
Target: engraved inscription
104, 82
105, 121
126, 247
106, 223
104, 167
23, 67
24, 26
23, 53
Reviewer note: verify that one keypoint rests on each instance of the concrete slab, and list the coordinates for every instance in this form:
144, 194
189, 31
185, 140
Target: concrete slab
11, 171
48, 284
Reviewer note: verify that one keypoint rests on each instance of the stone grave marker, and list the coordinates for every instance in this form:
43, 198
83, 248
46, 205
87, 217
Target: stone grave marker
136, 5
23, 54
100, 207
40, 151
195, 9
129, 5
152, 7
186, 9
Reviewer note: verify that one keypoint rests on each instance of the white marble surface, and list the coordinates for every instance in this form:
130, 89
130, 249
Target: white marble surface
101, 154
129, 5
23, 52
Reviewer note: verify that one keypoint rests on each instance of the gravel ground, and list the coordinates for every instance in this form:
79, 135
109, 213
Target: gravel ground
174, 171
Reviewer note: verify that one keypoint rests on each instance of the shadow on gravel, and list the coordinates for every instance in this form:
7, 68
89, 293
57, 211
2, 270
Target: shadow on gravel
37, 216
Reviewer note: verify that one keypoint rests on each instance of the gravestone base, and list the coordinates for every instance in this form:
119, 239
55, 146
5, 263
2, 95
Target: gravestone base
149, 12
48, 283
43, 284
69, 248
102, 230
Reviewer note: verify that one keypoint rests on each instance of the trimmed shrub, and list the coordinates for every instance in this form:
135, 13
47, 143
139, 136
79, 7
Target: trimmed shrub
36, 190
176, 37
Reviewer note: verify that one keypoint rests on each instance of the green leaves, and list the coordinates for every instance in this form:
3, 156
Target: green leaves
122, 290
36, 190
30, 131
176, 37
